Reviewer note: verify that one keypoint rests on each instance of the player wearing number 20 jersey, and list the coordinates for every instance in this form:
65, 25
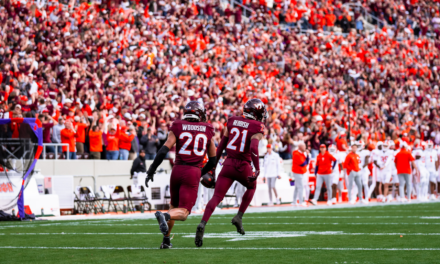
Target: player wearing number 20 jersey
240, 140
193, 140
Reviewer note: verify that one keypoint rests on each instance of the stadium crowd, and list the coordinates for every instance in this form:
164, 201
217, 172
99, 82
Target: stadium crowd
108, 78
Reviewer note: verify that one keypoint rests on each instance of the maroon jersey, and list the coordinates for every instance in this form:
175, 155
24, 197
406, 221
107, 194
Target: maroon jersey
193, 139
241, 131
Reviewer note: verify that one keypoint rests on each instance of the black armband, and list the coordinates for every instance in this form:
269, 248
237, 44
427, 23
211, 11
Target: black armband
160, 156
209, 165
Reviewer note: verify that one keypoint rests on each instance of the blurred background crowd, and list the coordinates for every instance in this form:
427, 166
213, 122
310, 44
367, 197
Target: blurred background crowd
109, 77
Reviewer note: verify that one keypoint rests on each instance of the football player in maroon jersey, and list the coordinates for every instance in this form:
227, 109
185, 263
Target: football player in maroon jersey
193, 139
240, 139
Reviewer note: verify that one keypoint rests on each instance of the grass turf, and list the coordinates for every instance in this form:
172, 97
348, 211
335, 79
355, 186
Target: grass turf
345, 235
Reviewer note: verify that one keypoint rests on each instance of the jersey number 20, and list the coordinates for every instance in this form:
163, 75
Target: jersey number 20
236, 133
189, 136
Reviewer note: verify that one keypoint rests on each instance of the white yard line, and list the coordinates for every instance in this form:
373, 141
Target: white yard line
384, 210
232, 234
189, 224
336, 217
224, 248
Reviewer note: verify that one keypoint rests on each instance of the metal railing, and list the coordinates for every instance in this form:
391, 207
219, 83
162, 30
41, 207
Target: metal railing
56, 145
245, 8
368, 16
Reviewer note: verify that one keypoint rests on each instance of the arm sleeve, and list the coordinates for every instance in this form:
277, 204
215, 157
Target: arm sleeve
305, 162
161, 154
220, 148
316, 169
209, 165
334, 165
254, 153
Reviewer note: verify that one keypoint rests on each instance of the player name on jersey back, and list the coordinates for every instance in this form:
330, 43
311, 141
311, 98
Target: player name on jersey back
240, 124
193, 128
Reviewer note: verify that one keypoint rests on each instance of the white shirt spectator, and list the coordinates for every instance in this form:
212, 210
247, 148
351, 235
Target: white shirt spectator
272, 164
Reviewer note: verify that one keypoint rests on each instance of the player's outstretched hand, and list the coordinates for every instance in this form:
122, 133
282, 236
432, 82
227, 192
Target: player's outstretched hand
150, 175
149, 178
254, 176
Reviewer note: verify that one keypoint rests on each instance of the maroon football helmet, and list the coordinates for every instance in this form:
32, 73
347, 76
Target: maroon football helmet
208, 180
255, 109
194, 110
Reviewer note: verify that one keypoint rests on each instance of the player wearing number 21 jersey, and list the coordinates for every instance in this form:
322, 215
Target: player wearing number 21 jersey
240, 140
193, 140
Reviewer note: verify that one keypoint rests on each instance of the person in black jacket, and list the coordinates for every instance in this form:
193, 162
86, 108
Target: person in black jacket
138, 164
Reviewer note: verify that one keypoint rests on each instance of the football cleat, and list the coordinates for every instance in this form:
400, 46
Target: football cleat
313, 202
238, 224
166, 243
166, 246
163, 226
199, 234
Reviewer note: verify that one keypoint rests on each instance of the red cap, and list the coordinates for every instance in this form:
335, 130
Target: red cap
269, 146
23, 98
45, 111
322, 146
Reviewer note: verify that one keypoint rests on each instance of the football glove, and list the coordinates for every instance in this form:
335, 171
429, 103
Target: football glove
150, 176
254, 176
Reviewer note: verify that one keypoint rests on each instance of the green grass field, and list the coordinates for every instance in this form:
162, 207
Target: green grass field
373, 234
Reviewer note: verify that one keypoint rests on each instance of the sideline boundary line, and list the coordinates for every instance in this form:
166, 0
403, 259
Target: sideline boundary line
319, 233
188, 224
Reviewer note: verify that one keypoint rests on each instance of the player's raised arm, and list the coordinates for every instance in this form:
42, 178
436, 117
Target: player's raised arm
161, 154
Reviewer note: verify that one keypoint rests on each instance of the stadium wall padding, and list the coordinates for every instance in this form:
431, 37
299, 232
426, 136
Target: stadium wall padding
101, 167
118, 172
